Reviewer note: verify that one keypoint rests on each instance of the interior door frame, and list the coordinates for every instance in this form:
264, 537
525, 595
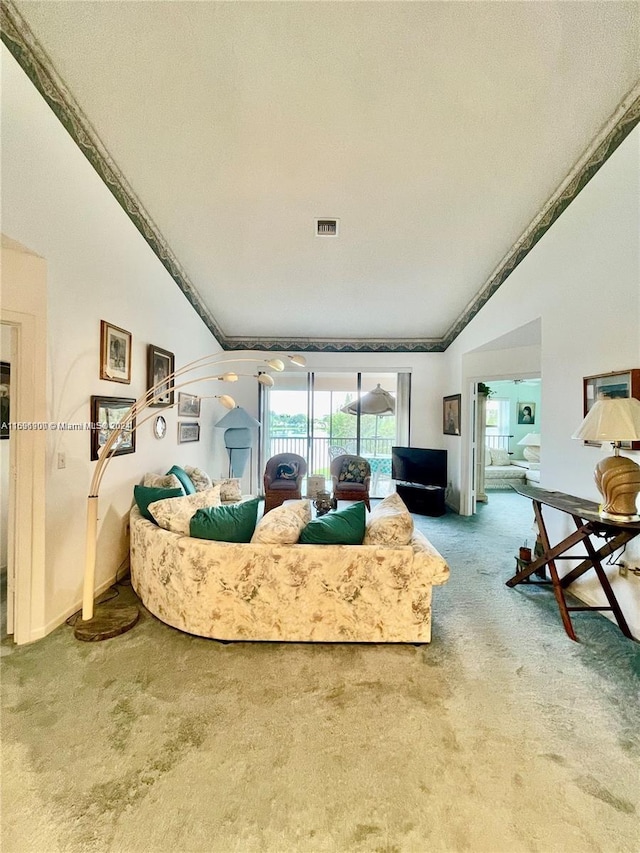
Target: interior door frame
25, 533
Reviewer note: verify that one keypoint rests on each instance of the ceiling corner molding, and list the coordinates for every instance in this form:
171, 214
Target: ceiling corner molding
21, 42
34, 61
612, 134
402, 345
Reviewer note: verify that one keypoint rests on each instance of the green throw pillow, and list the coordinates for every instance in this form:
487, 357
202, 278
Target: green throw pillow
344, 527
185, 479
145, 495
234, 523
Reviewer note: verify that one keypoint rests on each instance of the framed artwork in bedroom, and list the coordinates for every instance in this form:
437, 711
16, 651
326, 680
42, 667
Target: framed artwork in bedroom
526, 413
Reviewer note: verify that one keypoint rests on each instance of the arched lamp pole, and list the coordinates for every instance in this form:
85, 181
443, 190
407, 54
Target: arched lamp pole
130, 423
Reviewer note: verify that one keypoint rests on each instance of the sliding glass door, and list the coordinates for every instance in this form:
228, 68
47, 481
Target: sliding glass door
321, 415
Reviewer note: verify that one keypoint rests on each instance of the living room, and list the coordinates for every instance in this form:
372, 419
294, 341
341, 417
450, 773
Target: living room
98, 267
501, 735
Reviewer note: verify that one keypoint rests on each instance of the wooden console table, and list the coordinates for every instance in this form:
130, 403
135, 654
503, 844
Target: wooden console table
588, 523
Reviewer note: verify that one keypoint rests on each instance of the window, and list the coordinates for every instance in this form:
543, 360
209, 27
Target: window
309, 414
498, 416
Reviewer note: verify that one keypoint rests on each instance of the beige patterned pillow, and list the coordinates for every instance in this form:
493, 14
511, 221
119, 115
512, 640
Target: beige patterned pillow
283, 525
200, 479
162, 481
229, 488
174, 514
390, 523
500, 456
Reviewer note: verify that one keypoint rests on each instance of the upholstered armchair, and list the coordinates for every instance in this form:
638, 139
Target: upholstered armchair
283, 475
351, 477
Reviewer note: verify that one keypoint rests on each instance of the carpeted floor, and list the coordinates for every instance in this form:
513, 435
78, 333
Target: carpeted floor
501, 735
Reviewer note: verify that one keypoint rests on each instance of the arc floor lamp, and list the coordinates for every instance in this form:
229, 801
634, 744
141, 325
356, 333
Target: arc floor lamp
117, 620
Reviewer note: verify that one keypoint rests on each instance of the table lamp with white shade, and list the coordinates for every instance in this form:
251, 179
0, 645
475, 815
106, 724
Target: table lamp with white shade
531, 443
617, 477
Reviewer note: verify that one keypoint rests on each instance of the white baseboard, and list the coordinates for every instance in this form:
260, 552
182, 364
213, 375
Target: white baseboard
39, 633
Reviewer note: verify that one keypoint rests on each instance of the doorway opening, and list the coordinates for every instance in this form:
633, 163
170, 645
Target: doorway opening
507, 435
7, 364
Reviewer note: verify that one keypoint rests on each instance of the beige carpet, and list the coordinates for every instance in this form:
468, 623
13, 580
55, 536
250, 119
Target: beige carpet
502, 735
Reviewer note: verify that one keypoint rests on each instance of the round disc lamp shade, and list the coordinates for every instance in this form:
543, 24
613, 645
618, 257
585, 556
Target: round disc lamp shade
237, 425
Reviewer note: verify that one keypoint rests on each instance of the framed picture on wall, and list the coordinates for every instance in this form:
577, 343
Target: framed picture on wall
5, 398
451, 414
188, 405
625, 383
526, 413
115, 353
106, 415
188, 432
160, 365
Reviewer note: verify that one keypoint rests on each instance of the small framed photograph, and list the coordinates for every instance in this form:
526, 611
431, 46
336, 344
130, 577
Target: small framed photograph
526, 413
5, 398
625, 383
188, 432
160, 365
106, 415
451, 414
189, 405
115, 353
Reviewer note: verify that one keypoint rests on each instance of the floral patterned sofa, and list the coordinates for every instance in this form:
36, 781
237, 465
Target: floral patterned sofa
261, 590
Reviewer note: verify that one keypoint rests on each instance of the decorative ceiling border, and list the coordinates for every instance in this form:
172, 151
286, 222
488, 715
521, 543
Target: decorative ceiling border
611, 135
336, 345
33, 60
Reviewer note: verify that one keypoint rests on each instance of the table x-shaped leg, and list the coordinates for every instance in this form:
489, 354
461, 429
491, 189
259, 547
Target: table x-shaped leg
552, 553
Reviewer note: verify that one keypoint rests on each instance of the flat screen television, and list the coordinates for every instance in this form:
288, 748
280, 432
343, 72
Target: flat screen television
419, 466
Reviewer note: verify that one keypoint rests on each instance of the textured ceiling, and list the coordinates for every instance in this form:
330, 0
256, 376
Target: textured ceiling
435, 131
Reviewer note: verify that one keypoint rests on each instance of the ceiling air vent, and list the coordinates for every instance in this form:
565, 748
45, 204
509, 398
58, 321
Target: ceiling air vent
327, 227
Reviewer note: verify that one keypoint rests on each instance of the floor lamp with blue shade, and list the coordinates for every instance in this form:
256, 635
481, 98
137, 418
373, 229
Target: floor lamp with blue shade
238, 425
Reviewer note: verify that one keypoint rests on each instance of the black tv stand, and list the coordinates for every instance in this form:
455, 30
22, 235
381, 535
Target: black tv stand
423, 500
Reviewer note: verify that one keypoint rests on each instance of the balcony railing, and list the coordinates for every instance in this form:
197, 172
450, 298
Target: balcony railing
316, 450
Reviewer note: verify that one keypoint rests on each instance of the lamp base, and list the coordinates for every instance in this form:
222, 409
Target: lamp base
531, 453
109, 620
620, 519
618, 480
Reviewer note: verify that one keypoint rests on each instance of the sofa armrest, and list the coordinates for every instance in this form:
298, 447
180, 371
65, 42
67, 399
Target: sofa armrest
429, 558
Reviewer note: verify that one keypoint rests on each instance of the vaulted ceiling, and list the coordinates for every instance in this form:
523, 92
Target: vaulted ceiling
445, 137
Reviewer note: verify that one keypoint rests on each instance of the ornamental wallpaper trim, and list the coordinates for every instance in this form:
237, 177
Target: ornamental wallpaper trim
21, 42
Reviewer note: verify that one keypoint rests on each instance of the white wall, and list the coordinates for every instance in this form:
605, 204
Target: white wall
582, 280
99, 268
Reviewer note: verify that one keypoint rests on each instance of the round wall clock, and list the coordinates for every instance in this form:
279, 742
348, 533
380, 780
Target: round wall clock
159, 427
